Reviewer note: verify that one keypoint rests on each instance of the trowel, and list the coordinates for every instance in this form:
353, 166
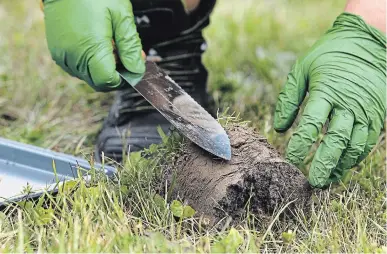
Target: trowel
181, 110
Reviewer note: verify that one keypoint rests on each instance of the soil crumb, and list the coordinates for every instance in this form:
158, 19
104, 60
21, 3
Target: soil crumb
255, 179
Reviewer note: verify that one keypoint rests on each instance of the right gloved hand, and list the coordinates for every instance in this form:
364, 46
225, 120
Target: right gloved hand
344, 74
80, 34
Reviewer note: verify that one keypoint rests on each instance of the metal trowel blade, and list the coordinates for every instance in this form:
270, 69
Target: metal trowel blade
181, 110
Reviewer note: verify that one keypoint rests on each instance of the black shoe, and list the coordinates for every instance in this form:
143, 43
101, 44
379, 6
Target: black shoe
130, 126
177, 47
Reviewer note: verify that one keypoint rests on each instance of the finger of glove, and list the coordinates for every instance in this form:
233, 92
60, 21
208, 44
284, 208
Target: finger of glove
61, 59
102, 68
354, 149
315, 114
331, 148
373, 136
290, 99
127, 39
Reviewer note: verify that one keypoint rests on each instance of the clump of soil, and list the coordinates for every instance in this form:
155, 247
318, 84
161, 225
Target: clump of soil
256, 178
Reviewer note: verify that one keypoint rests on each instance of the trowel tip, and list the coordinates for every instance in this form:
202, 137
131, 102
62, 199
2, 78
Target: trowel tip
222, 146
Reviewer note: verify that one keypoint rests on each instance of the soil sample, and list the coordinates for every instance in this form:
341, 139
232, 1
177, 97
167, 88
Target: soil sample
256, 178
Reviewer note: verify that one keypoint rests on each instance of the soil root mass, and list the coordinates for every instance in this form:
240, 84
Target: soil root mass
255, 179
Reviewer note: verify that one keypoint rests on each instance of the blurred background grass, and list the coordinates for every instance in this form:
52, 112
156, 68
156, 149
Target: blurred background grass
39, 103
252, 46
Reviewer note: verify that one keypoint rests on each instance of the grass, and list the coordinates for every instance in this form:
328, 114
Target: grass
251, 48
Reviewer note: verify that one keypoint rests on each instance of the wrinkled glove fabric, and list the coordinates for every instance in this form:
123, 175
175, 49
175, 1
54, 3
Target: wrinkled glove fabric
79, 36
344, 74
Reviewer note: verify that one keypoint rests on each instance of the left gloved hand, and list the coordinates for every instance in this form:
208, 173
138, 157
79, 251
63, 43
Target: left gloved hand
80, 34
345, 76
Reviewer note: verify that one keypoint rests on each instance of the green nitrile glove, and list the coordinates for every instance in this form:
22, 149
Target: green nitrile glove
345, 76
79, 36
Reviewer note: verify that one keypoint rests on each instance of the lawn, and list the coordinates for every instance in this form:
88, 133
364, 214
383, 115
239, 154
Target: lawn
252, 45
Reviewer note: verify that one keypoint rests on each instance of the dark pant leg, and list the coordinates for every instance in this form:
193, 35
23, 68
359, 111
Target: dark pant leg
173, 39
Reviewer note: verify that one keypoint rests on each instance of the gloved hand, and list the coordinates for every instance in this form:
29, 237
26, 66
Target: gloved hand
345, 76
79, 36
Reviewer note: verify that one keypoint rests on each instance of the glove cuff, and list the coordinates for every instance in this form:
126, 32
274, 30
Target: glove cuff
353, 21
